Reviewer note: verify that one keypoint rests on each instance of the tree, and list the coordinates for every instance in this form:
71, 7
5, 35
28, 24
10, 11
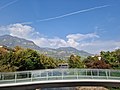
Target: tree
112, 58
93, 62
27, 59
47, 62
19, 59
75, 62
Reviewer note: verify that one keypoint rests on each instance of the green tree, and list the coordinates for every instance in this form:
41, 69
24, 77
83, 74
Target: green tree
47, 62
19, 59
28, 59
112, 58
75, 62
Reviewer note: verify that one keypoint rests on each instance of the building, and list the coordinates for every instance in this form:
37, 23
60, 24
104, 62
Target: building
63, 65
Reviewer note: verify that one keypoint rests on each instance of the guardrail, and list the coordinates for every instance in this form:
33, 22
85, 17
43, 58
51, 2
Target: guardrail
58, 74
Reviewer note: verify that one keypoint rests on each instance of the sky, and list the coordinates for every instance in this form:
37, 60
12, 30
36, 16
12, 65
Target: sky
89, 25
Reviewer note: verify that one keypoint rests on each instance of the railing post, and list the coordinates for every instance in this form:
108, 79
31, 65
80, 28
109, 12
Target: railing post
109, 73
47, 75
91, 74
98, 72
52, 72
77, 73
31, 76
15, 77
106, 74
86, 72
40, 74
27, 74
2, 76
62, 74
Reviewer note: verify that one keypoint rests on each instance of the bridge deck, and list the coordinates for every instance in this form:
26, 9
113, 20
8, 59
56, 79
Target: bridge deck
61, 77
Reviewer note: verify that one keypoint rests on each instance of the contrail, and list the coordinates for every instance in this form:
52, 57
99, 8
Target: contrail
8, 4
26, 23
69, 14
73, 13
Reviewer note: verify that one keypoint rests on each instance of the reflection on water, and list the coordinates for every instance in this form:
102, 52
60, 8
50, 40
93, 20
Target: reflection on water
63, 88
81, 88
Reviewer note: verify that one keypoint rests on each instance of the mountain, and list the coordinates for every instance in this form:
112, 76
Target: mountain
11, 41
62, 52
65, 52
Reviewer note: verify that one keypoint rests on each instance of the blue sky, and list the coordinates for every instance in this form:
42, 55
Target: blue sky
90, 25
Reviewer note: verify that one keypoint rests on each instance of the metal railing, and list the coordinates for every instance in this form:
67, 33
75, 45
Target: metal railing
58, 74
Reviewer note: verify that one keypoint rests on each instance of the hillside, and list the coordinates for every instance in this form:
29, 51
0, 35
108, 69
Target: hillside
65, 52
11, 41
62, 52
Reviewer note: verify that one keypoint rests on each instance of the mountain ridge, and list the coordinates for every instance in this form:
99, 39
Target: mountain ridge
62, 52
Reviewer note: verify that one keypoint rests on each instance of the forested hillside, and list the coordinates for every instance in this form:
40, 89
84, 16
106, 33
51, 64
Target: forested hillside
58, 53
20, 59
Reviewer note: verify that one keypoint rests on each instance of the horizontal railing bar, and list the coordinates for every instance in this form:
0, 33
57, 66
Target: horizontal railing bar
61, 70
59, 74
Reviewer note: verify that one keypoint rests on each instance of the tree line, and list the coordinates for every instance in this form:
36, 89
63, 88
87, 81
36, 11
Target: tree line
20, 59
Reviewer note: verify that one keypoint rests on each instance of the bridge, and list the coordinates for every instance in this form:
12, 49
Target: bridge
48, 78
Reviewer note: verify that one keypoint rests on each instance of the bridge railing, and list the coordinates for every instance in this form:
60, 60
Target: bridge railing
58, 74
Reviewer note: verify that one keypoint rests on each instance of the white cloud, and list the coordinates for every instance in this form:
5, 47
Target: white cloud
57, 42
79, 37
88, 42
19, 30
72, 43
74, 40
3, 30
97, 46
52, 43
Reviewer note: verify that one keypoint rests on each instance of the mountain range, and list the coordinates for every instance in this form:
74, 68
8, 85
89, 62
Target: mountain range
62, 52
